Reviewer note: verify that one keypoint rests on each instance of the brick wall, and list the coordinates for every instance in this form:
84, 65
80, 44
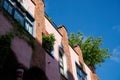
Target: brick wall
39, 17
93, 76
38, 58
78, 50
64, 33
92, 72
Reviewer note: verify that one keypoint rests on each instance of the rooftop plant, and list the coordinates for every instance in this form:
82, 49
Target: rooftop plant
92, 52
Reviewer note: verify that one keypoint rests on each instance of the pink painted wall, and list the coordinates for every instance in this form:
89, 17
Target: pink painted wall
52, 68
22, 51
5, 25
29, 6
74, 59
50, 29
88, 72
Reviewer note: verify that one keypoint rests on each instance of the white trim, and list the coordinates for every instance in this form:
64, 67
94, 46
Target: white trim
65, 65
34, 29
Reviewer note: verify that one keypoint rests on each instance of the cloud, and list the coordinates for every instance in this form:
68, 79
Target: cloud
116, 55
85, 38
116, 28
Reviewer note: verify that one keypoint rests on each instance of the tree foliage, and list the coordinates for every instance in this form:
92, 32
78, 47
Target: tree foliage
93, 54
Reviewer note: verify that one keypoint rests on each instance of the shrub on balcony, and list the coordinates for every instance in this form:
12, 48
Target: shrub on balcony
48, 42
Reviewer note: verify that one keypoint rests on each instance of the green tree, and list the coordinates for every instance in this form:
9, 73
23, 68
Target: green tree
93, 54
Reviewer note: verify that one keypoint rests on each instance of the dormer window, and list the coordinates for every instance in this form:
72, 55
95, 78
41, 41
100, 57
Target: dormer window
81, 75
62, 62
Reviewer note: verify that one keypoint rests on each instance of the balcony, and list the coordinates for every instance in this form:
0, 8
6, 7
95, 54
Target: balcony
19, 13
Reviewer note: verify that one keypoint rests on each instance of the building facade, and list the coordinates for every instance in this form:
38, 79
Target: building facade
30, 58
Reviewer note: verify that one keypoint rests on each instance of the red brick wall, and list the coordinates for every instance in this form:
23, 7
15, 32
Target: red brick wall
39, 17
94, 76
78, 50
64, 33
38, 58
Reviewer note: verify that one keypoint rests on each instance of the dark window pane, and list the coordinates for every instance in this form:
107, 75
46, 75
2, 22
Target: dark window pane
5, 5
19, 17
80, 74
10, 8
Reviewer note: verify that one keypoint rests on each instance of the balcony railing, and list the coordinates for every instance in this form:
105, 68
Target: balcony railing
20, 14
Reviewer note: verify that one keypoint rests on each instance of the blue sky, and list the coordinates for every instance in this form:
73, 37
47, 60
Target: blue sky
92, 17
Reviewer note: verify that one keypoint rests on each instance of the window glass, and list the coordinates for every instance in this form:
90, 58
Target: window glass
10, 8
28, 27
19, 17
80, 74
61, 71
5, 5
61, 63
12, 0
30, 30
52, 52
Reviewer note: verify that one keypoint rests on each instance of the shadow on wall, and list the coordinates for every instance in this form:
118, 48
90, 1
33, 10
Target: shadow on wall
8, 69
70, 75
38, 66
34, 73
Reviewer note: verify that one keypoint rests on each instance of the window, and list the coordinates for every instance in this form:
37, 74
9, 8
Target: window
61, 62
19, 14
52, 53
11, 0
28, 27
19, 17
80, 73
29, 21
5, 5
8, 7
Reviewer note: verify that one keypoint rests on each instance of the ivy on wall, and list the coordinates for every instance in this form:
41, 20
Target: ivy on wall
5, 43
5, 40
18, 30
